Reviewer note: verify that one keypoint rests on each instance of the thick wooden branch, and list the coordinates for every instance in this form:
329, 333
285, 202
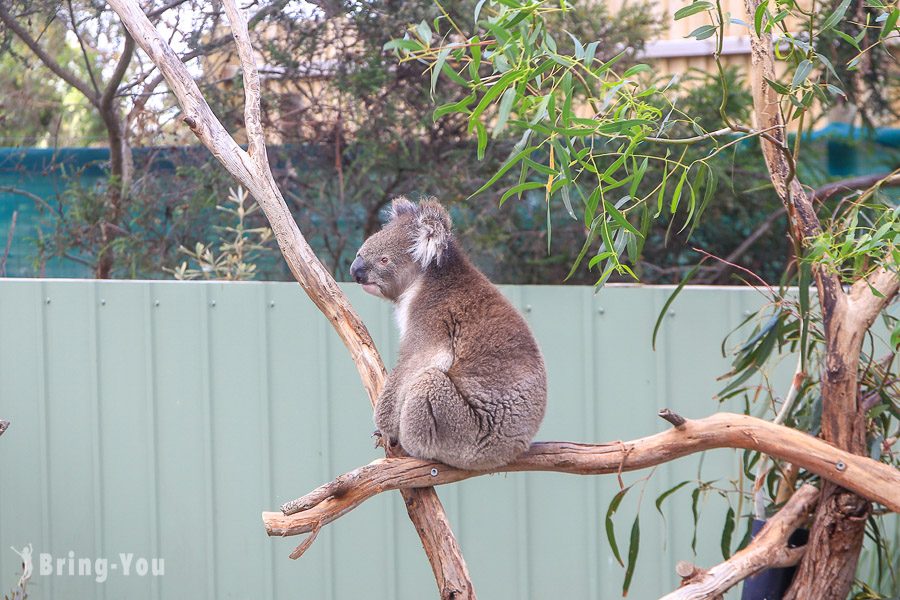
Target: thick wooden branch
304, 264
251, 169
769, 549
869, 478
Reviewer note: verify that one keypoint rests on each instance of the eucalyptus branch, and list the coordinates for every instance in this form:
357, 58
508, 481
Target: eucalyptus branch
863, 475
251, 168
691, 140
768, 549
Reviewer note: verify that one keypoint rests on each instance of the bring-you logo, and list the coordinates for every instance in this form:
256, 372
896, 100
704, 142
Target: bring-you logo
100, 568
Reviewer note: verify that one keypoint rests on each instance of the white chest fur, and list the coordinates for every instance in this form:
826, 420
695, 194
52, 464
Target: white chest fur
401, 313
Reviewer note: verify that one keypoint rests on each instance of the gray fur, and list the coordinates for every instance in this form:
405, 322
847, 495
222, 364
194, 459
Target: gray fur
470, 386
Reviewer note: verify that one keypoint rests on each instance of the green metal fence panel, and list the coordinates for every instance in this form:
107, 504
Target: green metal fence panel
157, 419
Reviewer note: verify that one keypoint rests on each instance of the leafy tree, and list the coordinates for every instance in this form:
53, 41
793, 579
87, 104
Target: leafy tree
625, 155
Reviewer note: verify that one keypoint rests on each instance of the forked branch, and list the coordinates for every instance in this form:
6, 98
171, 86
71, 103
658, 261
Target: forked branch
768, 550
869, 478
251, 169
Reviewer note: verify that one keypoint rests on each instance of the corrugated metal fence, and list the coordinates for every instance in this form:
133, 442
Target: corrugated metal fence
158, 419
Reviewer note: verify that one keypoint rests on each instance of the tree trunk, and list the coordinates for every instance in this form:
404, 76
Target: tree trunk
828, 566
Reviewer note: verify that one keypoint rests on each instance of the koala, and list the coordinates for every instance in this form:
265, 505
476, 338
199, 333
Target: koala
470, 387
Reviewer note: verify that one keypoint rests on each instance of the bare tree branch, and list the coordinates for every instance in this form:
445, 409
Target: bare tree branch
769, 549
64, 73
863, 475
855, 183
715, 272
33, 197
84, 54
251, 169
9, 238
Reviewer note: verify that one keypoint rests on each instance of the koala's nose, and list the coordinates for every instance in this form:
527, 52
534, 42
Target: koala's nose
357, 270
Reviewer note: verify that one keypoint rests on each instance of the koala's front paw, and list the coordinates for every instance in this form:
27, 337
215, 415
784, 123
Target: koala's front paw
388, 443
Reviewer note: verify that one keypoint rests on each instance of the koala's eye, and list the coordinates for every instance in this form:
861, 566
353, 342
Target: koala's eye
385, 260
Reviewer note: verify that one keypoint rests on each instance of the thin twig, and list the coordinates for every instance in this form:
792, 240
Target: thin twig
9, 239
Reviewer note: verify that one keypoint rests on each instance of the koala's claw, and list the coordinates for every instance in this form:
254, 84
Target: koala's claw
379, 439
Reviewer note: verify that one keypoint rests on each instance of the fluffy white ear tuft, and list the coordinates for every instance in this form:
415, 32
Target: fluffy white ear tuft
401, 206
432, 234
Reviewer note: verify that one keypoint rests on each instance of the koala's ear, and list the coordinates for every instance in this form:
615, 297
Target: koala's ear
432, 233
401, 206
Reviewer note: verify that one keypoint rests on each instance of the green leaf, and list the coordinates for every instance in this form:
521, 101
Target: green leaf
424, 32
620, 126
778, 87
662, 191
475, 63
835, 90
758, 17
494, 91
619, 218
588, 240
703, 32
692, 9
847, 39
802, 73
631, 72
481, 133
895, 337
454, 107
403, 44
695, 497
670, 300
727, 533
438, 66
676, 195
579, 48
518, 189
502, 170
610, 529
662, 497
835, 17
638, 176
633, 548
506, 103
477, 10
890, 24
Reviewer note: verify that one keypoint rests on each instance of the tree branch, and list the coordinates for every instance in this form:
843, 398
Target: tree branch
84, 54
872, 479
767, 110
251, 169
864, 303
767, 550
112, 86
65, 74
715, 272
855, 183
